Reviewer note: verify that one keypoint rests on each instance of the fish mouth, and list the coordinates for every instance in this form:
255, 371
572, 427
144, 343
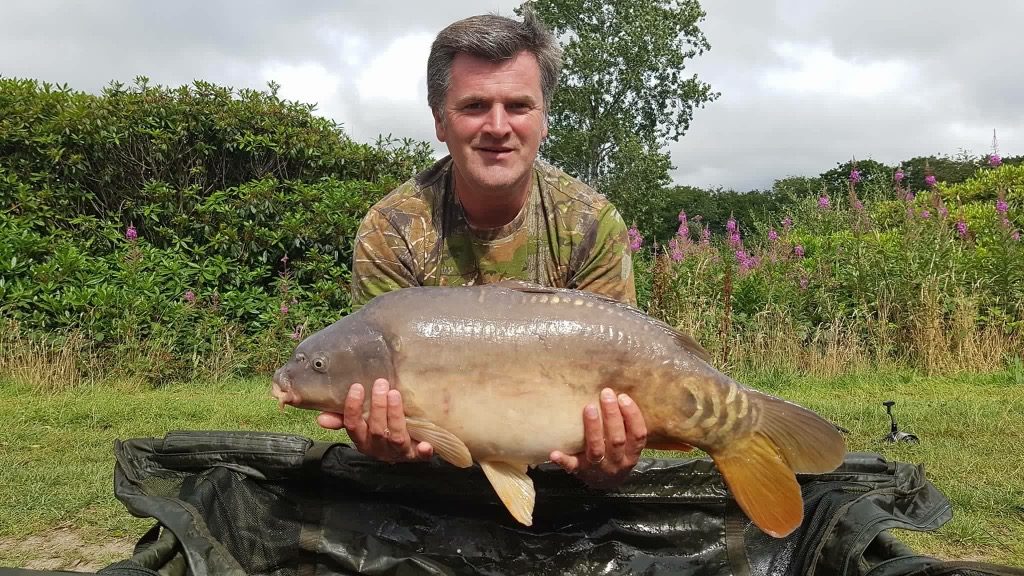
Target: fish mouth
281, 390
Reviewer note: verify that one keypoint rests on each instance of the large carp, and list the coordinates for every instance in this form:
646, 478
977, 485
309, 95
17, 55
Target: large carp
499, 374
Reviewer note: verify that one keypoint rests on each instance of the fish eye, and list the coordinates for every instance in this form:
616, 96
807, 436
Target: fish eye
319, 364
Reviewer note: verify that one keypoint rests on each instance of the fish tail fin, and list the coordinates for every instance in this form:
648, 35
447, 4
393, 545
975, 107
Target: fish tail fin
760, 467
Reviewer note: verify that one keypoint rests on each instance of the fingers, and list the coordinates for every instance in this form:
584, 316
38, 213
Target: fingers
331, 420
614, 438
353, 415
383, 434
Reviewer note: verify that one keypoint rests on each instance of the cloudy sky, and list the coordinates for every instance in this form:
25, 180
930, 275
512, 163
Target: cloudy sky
805, 84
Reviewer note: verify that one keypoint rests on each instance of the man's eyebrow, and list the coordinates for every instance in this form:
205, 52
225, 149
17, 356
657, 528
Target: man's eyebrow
470, 98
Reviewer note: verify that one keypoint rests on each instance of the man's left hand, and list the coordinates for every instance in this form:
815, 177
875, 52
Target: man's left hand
613, 438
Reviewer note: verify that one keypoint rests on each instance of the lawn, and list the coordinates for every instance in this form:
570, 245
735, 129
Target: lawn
57, 508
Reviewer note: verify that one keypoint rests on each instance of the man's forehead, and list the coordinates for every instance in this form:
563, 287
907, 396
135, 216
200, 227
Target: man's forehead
520, 68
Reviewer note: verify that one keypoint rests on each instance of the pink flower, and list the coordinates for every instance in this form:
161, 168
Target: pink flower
1002, 207
995, 159
131, 233
926, 214
1015, 235
899, 175
858, 205
909, 197
804, 281
636, 240
787, 223
734, 239
284, 309
684, 226
190, 296
747, 262
297, 333
675, 252
961, 228
930, 180
799, 251
773, 235
730, 225
823, 202
705, 236
855, 176
943, 212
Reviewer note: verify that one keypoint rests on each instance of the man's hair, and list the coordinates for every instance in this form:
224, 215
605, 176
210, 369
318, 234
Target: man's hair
493, 38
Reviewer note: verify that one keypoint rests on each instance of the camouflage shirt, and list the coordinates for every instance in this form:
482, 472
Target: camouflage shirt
567, 236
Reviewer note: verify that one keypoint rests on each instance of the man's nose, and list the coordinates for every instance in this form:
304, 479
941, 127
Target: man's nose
497, 121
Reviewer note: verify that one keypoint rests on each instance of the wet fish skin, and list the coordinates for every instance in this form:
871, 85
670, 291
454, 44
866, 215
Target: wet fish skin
499, 374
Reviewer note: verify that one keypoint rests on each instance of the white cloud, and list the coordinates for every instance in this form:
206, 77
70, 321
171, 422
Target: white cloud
308, 82
398, 74
817, 70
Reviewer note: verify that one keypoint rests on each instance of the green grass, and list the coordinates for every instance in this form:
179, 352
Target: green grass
56, 450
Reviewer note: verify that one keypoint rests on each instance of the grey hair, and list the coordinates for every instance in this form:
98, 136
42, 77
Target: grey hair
493, 38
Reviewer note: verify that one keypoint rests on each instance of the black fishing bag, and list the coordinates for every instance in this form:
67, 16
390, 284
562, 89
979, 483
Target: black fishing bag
232, 503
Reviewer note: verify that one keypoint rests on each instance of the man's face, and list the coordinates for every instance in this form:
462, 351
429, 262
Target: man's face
494, 122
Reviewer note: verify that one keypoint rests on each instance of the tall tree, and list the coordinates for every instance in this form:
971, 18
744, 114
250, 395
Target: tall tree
624, 93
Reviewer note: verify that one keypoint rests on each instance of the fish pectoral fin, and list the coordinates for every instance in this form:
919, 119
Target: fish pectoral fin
446, 445
514, 488
763, 484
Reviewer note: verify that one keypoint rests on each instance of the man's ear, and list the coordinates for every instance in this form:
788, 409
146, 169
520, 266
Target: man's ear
439, 127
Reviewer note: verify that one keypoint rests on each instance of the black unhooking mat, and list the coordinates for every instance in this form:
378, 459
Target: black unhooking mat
236, 503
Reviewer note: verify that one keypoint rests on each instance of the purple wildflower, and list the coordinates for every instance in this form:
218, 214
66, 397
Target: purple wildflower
675, 252
747, 262
804, 281
787, 223
131, 233
1002, 207
854, 176
734, 239
899, 175
190, 296
1015, 235
297, 333
909, 197
930, 180
961, 228
858, 205
799, 251
684, 226
943, 212
773, 235
925, 214
730, 225
284, 309
995, 159
636, 240
705, 236
823, 202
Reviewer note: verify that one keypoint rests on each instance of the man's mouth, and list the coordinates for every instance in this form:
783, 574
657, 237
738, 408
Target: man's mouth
495, 151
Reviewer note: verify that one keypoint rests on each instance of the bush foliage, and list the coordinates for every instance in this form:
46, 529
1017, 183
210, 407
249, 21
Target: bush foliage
169, 223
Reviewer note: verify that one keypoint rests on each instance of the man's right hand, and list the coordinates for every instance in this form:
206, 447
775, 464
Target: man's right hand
383, 435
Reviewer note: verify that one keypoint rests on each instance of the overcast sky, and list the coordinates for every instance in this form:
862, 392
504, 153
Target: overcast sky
805, 84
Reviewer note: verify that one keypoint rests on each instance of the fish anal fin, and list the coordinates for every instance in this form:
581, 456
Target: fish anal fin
446, 445
514, 488
668, 445
762, 484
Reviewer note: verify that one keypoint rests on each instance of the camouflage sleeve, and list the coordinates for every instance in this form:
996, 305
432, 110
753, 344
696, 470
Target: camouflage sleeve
381, 260
608, 268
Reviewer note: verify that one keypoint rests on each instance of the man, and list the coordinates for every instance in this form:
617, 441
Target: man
492, 211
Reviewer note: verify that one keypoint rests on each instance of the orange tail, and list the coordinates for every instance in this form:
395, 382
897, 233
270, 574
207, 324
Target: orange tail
760, 467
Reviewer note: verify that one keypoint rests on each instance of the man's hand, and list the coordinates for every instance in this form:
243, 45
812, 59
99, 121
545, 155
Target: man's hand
383, 435
612, 449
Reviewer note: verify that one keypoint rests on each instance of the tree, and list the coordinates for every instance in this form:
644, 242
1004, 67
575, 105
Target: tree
623, 93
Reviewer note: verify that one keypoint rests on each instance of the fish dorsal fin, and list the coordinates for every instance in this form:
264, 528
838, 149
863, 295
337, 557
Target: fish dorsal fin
514, 488
687, 342
447, 445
